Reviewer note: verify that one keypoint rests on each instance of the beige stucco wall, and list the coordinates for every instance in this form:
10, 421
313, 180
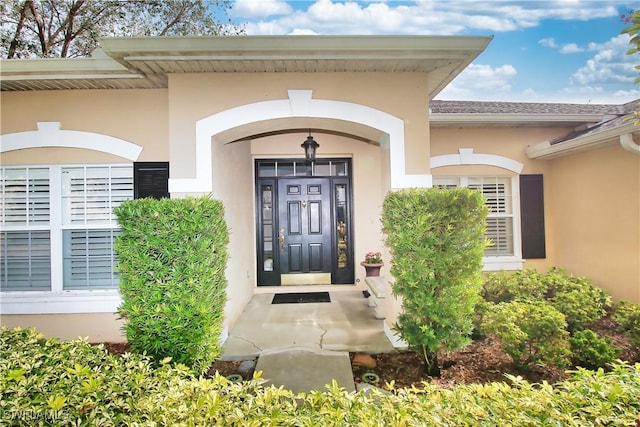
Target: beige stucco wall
197, 96
236, 171
136, 116
596, 208
96, 327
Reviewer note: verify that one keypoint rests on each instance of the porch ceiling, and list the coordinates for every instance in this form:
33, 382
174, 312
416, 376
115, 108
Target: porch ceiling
146, 62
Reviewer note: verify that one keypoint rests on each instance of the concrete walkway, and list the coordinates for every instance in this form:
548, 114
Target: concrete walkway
304, 370
304, 346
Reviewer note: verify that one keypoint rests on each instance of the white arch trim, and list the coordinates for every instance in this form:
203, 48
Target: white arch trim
50, 134
299, 104
466, 156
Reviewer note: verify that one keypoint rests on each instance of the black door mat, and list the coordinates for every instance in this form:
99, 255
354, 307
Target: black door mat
293, 298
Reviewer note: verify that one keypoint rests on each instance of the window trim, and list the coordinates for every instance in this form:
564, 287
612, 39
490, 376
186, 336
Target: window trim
58, 300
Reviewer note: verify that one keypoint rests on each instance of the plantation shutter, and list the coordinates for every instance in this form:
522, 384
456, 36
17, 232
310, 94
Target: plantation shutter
151, 179
532, 216
25, 261
89, 195
89, 258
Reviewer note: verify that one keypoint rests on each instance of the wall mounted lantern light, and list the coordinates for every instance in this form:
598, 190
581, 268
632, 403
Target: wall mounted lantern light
310, 147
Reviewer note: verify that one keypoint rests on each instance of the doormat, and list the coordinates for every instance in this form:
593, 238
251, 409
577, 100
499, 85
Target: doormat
293, 298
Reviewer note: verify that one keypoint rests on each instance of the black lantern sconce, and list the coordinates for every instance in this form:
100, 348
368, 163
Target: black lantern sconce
310, 146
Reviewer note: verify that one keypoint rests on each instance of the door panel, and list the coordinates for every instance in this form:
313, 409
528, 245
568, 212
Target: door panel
304, 224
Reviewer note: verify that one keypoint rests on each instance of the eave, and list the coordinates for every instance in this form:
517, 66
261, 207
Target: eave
146, 61
623, 134
492, 119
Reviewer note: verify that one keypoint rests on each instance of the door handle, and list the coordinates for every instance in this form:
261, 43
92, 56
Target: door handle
281, 240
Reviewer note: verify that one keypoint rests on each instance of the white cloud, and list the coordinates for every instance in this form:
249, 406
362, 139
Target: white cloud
260, 8
571, 48
548, 42
610, 64
419, 17
479, 81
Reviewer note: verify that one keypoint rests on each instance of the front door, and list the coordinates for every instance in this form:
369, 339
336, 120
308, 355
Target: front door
304, 231
304, 222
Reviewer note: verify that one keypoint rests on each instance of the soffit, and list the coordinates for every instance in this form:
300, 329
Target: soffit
145, 62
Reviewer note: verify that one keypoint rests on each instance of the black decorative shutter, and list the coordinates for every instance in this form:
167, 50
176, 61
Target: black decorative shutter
150, 179
532, 216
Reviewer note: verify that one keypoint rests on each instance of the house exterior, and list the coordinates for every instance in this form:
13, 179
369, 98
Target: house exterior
226, 116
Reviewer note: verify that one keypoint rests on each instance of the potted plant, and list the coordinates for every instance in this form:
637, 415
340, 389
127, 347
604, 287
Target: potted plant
372, 263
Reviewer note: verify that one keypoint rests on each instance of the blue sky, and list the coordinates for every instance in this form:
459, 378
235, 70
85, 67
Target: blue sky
542, 51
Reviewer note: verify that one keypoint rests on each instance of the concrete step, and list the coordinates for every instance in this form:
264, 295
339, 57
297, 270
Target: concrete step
302, 369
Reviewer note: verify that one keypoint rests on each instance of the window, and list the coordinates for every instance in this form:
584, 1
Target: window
62, 215
502, 224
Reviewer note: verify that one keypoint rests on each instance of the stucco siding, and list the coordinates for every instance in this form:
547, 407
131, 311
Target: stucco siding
195, 96
596, 208
96, 327
136, 116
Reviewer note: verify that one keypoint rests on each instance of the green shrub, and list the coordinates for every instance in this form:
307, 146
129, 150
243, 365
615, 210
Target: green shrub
506, 286
627, 316
54, 383
577, 298
591, 351
436, 241
172, 258
531, 332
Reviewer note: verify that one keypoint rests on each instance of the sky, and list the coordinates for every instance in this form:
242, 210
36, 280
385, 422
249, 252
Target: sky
542, 51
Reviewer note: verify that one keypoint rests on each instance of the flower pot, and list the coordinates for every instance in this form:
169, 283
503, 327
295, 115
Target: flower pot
372, 270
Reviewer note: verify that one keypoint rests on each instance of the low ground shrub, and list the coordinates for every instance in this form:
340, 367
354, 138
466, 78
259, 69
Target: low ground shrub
522, 285
589, 350
627, 316
576, 297
47, 382
531, 332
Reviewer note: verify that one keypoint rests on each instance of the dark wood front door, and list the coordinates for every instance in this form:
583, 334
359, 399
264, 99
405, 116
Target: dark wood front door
304, 229
303, 222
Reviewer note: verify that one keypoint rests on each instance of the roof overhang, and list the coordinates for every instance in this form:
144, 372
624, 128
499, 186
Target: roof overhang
622, 134
493, 119
146, 61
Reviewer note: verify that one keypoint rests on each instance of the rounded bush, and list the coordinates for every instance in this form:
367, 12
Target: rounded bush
591, 351
531, 332
627, 316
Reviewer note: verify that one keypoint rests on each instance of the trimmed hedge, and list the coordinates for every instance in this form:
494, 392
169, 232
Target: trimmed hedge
55, 383
172, 257
436, 239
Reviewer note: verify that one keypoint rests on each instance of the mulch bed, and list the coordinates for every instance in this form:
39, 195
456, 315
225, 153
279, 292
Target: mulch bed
483, 361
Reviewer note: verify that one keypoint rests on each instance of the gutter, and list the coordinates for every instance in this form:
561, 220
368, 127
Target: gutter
621, 134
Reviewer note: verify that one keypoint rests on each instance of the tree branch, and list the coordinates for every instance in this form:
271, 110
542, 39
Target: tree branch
16, 37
